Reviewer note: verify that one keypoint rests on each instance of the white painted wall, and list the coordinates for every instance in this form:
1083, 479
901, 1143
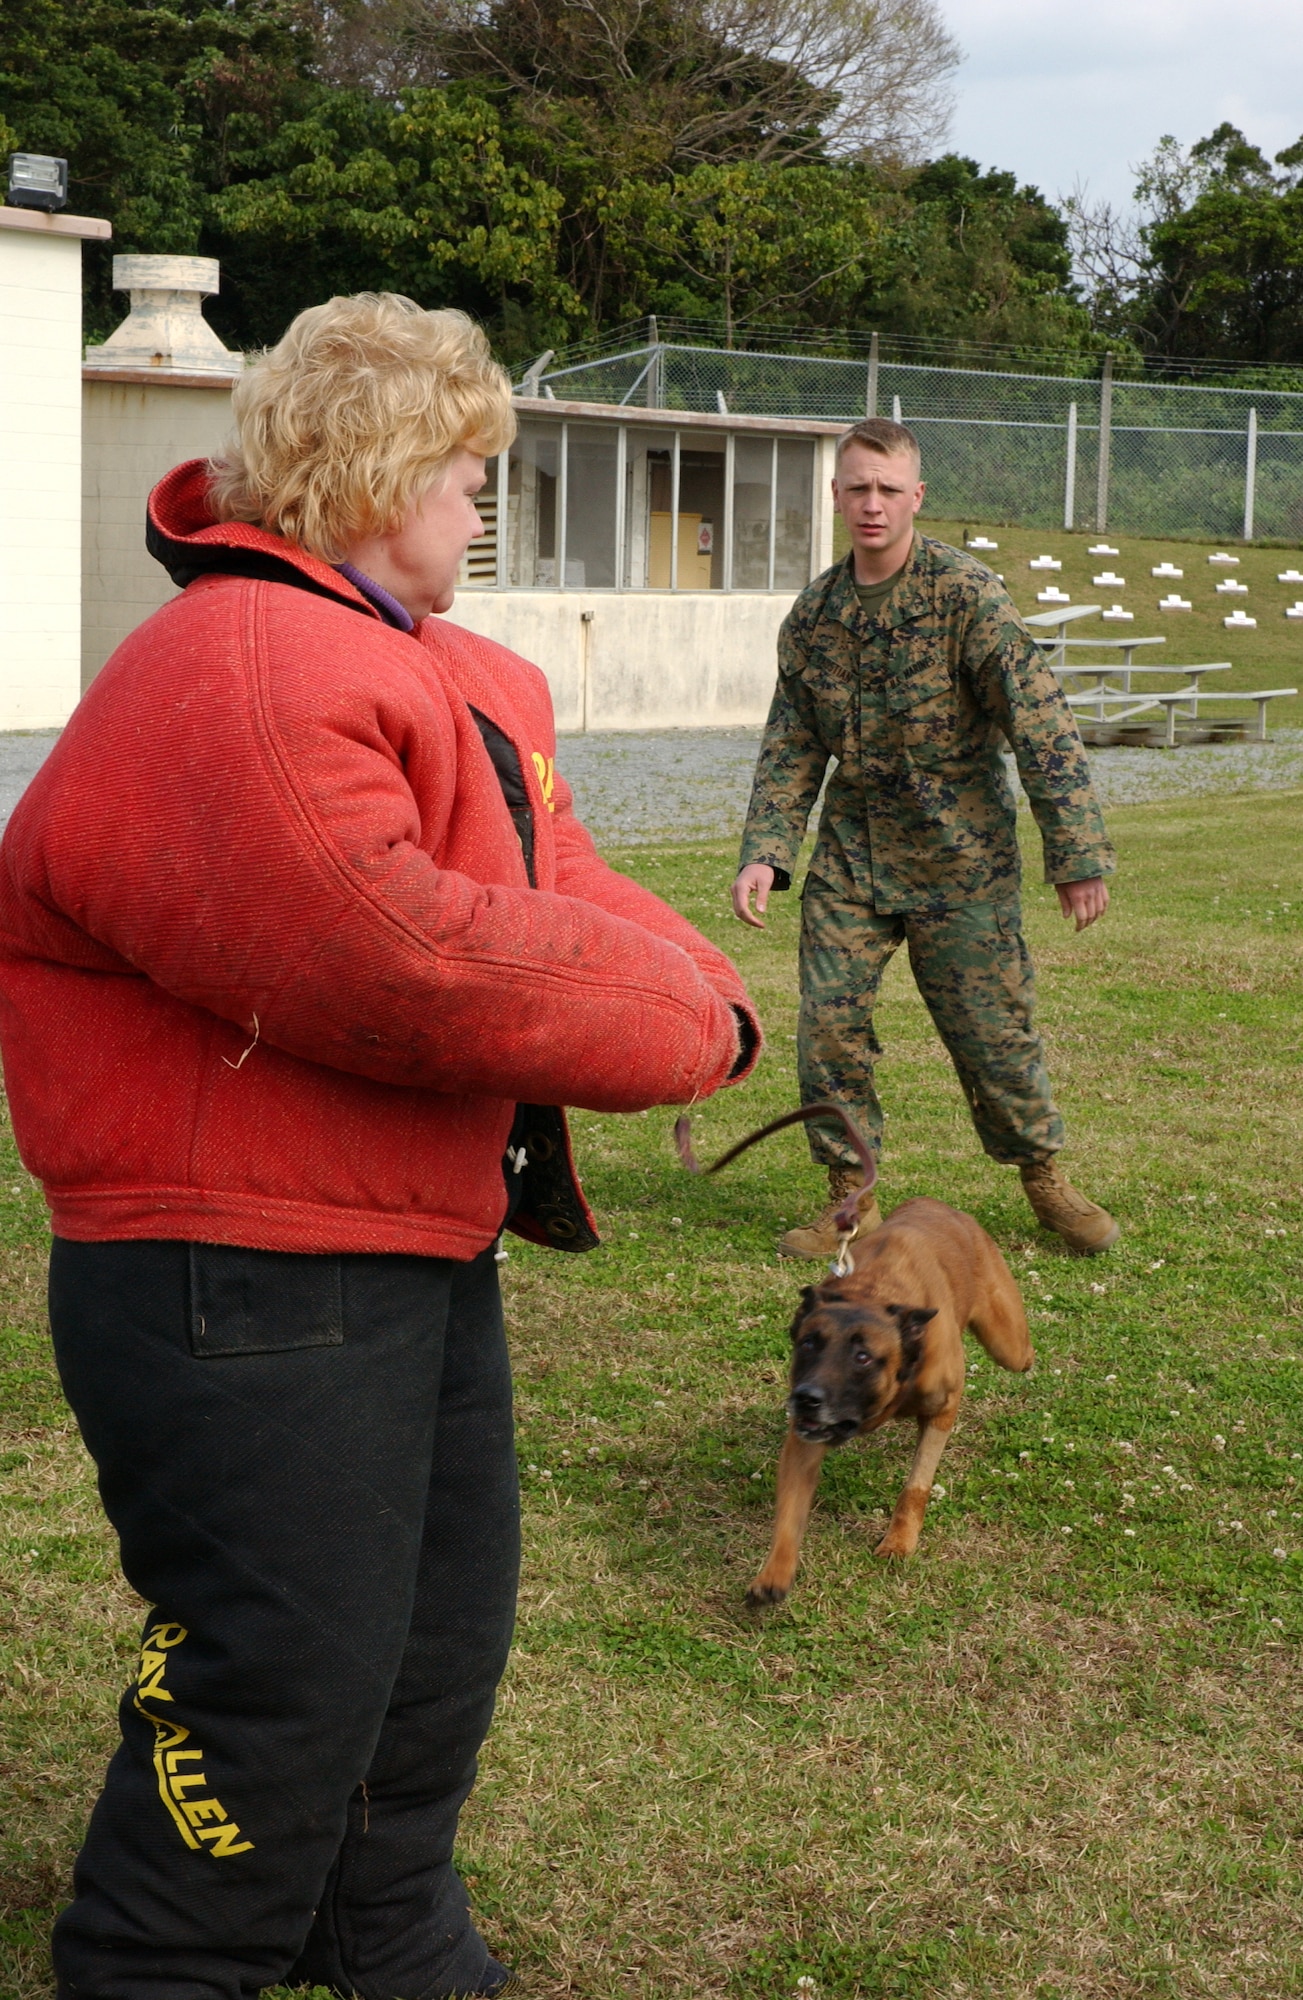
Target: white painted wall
646, 659
133, 431
40, 470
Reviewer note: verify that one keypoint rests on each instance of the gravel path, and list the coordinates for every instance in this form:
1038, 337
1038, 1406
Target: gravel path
21, 757
693, 784
1134, 777
688, 784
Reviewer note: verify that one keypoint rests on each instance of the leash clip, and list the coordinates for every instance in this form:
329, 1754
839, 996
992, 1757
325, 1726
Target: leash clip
841, 1264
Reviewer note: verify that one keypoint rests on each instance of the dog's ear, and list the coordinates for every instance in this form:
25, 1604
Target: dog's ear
912, 1320
804, 1310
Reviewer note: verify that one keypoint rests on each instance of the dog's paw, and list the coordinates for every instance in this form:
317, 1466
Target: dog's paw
894, 1544
762, 1593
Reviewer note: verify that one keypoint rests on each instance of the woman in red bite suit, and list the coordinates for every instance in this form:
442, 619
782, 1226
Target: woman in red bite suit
301, 946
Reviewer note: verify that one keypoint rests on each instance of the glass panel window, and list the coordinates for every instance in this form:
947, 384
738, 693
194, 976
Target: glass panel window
674, 511
651, 515
701, 511
592, 453
753, 460
793, 514
531, 510
648, 501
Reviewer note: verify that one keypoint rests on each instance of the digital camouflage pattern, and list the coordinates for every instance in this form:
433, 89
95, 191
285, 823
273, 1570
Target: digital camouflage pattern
973, 970
915, 702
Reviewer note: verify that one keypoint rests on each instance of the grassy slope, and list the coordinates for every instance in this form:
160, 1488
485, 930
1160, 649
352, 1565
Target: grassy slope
1047, 1757
1270, 657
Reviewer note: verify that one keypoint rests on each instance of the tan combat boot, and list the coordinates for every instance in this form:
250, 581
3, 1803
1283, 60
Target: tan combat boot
1056, 1204
819, 1238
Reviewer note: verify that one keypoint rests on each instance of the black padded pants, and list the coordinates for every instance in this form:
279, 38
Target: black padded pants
310, 1465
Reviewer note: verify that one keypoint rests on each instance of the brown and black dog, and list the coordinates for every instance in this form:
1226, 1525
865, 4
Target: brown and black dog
884, 1344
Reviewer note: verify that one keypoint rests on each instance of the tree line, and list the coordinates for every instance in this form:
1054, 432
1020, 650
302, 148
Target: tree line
1209, 262
560, 168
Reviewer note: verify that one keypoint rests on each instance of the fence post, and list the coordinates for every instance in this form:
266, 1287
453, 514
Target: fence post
1070, 470
871, 392
562, 505
896, 417
1105, 441
655, 383
530, 380
1250, 475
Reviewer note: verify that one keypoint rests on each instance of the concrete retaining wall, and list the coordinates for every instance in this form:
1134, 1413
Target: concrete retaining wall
640, 659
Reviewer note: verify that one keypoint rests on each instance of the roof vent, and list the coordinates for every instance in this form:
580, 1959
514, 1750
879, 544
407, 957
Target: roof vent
166, 329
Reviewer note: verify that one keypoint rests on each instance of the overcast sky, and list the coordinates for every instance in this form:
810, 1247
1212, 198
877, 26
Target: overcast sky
1059, 90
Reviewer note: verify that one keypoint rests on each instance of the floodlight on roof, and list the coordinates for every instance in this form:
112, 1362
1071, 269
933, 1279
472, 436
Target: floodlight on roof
36, 180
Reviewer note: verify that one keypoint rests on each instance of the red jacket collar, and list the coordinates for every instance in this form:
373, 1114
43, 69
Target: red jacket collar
182, 535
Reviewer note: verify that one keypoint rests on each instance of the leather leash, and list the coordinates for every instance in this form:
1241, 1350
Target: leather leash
847, 1216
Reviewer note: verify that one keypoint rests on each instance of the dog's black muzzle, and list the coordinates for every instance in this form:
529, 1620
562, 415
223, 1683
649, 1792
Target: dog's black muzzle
812, 1420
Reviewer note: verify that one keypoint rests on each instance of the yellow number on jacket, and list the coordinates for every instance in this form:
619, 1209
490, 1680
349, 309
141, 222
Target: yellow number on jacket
546, 777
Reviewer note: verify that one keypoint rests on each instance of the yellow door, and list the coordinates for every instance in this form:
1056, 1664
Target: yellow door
694, 567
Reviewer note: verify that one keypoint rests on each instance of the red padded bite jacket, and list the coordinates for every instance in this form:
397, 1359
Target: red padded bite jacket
272, 972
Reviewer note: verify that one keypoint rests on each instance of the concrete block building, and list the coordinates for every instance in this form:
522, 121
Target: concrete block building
643, 558
646, 558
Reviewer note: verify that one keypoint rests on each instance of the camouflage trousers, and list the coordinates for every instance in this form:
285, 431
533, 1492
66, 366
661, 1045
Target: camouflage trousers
974, 971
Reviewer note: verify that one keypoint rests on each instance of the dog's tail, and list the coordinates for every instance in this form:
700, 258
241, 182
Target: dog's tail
847, 1215
1000, 1322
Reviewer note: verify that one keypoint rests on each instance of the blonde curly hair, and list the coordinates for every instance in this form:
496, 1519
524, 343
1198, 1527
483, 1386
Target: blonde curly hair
357, 411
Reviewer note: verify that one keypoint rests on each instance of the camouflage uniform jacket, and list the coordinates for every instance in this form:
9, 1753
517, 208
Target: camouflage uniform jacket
916, 702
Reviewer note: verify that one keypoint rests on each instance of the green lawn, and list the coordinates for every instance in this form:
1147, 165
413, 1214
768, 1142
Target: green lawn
1270, 657
1055, 1755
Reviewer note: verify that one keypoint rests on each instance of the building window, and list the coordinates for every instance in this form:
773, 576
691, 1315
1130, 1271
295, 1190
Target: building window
648, 510
792, 514
527, 556
592, 471
593, 506
753, 493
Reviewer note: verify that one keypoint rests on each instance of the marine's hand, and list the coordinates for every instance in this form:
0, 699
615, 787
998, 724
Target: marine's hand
756, 879
1083, 900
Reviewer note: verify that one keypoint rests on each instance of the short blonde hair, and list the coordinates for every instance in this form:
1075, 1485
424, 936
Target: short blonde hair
880, 435
357, 410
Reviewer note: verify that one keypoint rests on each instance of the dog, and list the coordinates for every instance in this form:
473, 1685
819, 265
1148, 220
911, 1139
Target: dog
884, 1344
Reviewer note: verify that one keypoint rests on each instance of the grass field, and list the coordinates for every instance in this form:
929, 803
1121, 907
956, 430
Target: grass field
1060, 1753
1270, 657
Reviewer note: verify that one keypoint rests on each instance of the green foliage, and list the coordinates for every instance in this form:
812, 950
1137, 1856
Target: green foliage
544, 193
426, 199
643, 85
1035, 232
153, 106
1227, 277
951, 251
555, 187
977, 257
1209, 265
767, 243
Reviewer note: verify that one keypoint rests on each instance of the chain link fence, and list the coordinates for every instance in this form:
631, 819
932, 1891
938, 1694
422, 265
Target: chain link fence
1178, 459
